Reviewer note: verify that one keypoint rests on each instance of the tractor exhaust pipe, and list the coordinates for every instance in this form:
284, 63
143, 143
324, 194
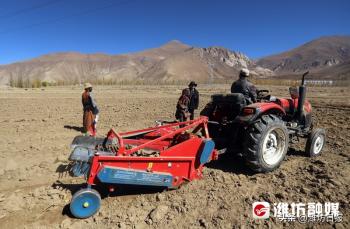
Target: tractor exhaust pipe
301, 100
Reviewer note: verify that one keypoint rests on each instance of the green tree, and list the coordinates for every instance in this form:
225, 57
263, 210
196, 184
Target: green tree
20, 83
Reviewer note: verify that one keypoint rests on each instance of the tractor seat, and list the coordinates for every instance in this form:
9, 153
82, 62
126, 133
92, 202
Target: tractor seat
237, 98
229, 104
233, 98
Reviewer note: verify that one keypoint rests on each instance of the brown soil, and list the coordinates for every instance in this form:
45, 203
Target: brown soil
37, 127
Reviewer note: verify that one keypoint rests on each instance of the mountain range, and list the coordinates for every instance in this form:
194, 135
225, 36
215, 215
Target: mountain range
326, 57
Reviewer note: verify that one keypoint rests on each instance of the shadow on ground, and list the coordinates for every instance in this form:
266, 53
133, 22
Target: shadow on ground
76, 128
294, 152
121, 190
231, 163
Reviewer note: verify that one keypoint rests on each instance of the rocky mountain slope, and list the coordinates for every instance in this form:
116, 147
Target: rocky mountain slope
76, 67
202, 64
314, 55
340, 71
173, 61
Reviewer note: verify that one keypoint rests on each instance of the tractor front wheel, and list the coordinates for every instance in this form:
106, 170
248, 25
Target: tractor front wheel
315, 142
266, 143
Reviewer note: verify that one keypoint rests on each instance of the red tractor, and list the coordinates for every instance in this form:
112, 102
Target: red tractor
261, 132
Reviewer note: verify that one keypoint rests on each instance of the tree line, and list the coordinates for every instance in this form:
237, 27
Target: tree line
20, 82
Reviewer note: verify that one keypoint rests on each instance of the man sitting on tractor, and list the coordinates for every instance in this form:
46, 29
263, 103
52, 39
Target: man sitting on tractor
243, 86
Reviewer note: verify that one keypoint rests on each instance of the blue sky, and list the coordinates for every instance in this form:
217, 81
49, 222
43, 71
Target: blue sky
257, 28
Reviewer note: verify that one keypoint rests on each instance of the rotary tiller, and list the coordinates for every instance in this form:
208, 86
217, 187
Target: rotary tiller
164, 156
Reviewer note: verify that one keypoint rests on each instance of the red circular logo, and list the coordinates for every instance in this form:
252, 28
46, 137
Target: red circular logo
260, 210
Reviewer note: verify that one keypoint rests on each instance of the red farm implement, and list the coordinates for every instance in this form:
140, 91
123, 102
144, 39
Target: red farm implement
166, 156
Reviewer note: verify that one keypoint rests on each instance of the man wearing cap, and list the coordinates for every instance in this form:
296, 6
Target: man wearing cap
91, 111
243, 86
194, 99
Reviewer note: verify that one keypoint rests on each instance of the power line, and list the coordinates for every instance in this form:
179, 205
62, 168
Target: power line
63, 18
31, 8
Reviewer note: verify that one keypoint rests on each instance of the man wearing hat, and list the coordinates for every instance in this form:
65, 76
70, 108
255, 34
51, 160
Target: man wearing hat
91, 111
194, 99
243, 86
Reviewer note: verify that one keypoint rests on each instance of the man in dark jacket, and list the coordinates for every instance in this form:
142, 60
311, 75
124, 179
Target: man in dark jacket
243, 86
194, 99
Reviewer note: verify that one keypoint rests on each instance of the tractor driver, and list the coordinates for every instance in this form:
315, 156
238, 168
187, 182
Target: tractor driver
243, 86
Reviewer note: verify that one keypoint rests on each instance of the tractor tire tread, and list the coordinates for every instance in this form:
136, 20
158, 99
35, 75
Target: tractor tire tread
252, 141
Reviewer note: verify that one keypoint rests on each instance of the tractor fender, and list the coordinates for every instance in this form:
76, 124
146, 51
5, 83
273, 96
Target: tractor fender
267, 108
253, 111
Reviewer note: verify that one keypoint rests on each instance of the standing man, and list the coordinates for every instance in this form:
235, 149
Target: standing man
243, 86
194, 99
91, 111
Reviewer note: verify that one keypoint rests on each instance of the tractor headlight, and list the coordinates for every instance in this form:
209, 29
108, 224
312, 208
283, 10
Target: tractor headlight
248, 111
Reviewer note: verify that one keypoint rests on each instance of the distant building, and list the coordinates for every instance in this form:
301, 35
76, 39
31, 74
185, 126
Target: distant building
320, 82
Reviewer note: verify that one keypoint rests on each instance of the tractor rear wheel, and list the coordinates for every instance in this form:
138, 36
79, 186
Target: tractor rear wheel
266, 143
